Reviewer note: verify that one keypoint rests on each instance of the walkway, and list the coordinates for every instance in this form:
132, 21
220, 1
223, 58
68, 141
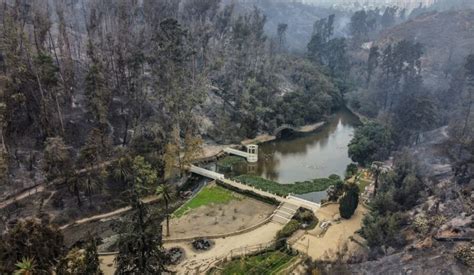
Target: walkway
318, 244
41, 186
289, 199
199, 262
116, 212
30, 192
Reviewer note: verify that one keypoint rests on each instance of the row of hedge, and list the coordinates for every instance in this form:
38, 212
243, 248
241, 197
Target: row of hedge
315, 185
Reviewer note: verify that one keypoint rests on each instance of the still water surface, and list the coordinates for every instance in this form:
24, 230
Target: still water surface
314, 155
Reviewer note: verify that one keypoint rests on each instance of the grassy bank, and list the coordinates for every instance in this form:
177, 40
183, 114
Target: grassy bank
208, 195
285, 189
265, 263
228, 161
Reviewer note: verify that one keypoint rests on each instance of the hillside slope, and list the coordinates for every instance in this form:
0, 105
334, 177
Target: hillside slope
448, 37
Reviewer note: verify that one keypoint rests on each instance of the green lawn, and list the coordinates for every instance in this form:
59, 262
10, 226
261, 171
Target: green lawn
266, 263
362, 182
208, 195
285, 189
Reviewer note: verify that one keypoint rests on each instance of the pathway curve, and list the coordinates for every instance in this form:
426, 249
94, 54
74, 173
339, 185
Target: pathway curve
38, 188
116, 212
198, 262
332, 240
22, 195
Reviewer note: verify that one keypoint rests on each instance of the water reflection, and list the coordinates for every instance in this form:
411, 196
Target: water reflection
312, 156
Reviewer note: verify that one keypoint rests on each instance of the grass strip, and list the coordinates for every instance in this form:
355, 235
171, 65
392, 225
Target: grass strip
207, 195
228, 161
265, 263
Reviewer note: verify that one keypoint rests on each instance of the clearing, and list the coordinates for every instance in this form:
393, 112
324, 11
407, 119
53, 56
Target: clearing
210, 194
216, 210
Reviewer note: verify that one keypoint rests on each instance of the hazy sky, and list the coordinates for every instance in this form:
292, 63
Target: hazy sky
409, 4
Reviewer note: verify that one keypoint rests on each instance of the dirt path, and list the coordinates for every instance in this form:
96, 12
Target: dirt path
222, 247
22, 195
109, 214
335, 236
42, 186
311, 127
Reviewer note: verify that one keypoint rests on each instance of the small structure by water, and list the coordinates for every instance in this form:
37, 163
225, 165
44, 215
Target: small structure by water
251, 155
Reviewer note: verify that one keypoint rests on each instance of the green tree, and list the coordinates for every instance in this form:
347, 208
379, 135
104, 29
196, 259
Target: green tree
79, 260
372, 62
72, 263
381, 230
376, 168
170, 157
145, 175
91, 158
166, 192
30, 239
26, 266
371, 142
359, 27
349, 201
91, 258
140, 242
192, 148
351, 170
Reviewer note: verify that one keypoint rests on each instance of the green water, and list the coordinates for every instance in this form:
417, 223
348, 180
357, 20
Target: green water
314, 155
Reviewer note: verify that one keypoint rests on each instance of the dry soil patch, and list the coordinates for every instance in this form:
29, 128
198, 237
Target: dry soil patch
220, 218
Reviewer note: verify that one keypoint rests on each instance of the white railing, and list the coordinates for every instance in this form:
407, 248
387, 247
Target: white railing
304, 201
236, 152
206, 173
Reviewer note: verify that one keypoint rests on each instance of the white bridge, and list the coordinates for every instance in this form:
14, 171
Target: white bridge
251, 155
242, 186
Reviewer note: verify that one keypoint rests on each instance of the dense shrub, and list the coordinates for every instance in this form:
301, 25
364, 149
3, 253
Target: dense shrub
351, 170
31, 239
349, 201
306, 218
371, 142
286, 189
383, 230
288, 230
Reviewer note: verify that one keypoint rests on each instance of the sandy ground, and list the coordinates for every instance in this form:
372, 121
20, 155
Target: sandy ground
311, 127
209, 151
222, 247
222, 218
338, 233
259, 139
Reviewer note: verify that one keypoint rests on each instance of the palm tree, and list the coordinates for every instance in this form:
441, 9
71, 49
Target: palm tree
92, 182
26, 266
165, 190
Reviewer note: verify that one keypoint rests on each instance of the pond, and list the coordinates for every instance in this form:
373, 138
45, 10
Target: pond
305, 157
